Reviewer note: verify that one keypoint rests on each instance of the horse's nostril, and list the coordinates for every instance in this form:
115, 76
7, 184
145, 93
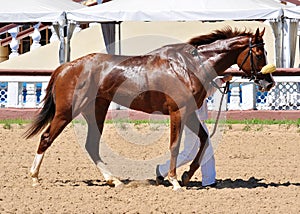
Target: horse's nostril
269, 86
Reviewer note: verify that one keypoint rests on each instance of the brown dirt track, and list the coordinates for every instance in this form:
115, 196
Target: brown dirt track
258, 169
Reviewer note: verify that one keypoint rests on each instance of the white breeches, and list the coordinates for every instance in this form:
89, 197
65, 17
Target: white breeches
191, 147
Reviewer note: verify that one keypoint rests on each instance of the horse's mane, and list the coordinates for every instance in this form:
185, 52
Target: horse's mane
225, 33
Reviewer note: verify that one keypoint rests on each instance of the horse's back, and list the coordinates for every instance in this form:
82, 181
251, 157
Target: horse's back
147, 82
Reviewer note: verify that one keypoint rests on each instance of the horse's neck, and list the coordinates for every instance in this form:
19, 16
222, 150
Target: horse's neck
222, 54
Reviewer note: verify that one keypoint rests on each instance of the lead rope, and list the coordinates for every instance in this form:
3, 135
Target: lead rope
226, 88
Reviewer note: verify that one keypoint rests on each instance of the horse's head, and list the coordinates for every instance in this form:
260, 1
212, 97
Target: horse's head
254, 63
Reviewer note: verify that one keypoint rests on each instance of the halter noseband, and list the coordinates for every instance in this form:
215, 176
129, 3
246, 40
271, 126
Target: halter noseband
254, 71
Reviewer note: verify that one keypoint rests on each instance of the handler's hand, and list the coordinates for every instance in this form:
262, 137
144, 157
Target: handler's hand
227, 78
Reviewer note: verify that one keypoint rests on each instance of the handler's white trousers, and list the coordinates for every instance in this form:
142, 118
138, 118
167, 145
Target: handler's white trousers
191, 147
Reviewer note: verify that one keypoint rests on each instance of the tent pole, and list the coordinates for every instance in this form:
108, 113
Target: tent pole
119, 37
70, 30
59, 32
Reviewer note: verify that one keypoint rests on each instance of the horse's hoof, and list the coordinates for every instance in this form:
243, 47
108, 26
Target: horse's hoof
177, 189
175, 183
185, 179
35, 182
118, 184
114, 183
110, 183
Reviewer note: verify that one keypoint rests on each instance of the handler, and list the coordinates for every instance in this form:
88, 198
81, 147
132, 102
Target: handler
192, 145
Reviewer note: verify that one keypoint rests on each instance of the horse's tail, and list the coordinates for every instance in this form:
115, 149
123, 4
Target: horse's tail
45, 115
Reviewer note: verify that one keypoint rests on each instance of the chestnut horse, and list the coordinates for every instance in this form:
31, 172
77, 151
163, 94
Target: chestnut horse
172, 80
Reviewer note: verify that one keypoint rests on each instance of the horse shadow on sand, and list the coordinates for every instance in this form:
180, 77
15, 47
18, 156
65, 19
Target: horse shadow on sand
228, 183
251, 183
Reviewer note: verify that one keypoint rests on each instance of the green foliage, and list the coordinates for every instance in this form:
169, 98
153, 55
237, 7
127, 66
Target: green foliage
298, 123
258, 121
7, 126
167, 121
260, 128
8, 122
247, 128
138, 122
123, 126
229, 126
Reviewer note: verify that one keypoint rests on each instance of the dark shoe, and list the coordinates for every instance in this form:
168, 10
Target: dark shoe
211, 185
159, 178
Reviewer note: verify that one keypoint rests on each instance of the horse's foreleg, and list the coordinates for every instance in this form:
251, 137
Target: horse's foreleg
175, 137
92, 147
95, 115
194, 124
53, 130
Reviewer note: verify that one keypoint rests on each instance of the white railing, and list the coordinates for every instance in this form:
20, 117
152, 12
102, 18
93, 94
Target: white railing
244, 95
22, 91
16, 36
28, 91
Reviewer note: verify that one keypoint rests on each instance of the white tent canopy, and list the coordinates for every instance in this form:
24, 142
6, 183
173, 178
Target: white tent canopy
26, 11
292, 12
178, 10
22, 11
202, 10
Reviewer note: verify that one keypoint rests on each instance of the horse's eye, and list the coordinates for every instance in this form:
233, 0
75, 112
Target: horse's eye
259, 57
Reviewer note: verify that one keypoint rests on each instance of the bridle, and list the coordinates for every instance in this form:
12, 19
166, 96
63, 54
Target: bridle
254, 71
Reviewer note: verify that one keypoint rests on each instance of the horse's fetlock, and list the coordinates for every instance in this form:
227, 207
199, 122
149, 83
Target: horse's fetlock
44, 145
44, 136
33, 174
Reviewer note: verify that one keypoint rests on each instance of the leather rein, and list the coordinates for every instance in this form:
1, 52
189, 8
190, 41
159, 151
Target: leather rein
254, 71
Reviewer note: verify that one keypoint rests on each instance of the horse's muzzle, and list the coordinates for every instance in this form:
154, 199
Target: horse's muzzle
264, 85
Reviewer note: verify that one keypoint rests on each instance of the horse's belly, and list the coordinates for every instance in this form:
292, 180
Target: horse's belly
149, 102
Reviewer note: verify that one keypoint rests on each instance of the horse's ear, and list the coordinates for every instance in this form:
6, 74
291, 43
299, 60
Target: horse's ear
262, 33
257, 33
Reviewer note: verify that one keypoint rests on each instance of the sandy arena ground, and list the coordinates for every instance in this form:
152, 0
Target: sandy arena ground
258, 171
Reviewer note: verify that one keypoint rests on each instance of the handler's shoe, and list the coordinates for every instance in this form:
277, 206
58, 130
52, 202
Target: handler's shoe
211, 185
159, 178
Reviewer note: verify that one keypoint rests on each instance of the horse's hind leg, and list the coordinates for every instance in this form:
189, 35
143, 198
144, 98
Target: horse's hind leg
194, 124
58, 123
95, 115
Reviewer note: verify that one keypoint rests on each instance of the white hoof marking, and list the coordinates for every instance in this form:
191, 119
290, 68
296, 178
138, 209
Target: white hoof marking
35, 182
175, 183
